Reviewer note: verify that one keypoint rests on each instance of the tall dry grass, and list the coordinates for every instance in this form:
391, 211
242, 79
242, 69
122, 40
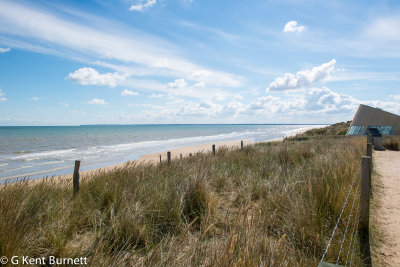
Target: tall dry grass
268, 205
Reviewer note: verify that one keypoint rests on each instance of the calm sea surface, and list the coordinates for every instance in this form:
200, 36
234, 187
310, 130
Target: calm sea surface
46, 151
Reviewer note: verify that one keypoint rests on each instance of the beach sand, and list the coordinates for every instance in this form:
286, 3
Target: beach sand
186, 151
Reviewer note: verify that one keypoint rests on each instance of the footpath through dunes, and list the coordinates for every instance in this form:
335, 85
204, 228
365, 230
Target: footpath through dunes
386, 208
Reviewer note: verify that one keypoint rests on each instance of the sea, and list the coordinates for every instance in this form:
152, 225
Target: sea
32, 152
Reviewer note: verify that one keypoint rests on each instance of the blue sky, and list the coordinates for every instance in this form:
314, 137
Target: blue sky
192, 61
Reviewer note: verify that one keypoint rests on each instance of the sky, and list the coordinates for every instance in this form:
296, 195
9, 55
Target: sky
196, 61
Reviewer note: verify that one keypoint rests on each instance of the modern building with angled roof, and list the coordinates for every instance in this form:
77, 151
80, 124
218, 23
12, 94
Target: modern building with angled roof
368, 117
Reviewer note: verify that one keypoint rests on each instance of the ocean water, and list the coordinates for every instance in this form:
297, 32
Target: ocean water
35, 152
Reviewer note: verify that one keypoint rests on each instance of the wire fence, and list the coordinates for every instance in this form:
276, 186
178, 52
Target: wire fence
345, 237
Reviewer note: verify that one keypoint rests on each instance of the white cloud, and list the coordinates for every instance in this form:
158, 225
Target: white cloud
2, 98
302, 79
177, 84
203, 77
133, 51
126, 92
316, 105
387, 28
64, 104
156, 95
326, 100
292, 26
97, 101
142, 5
4, 50
315, 102
34, 98
90, 76
395, 97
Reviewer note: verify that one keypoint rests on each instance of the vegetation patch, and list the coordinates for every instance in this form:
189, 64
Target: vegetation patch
271, 204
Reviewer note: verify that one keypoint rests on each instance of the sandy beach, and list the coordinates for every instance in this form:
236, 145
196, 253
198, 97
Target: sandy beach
186, 151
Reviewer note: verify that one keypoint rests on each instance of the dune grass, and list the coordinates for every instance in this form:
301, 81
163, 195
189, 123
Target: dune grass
336, 130
271, 204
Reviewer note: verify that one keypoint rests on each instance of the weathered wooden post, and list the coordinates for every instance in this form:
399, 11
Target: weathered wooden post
241, 144
365, 192
369, 149
364, 210
75, 177
169, 157
369, 154
213, 149
181, 155
160, 159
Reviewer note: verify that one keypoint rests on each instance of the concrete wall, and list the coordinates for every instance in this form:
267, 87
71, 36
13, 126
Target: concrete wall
369, 116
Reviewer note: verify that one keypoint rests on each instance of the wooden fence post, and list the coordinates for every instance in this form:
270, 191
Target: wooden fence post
364, 210
181, 155
369, 154
75, 177
213, 149
169, 157
241, 144
365, 192
369, 149
160, 159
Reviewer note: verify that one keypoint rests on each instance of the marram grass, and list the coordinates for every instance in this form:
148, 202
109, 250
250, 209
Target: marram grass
272, 204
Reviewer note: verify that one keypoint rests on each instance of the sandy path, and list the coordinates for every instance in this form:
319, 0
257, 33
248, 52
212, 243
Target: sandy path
386, 208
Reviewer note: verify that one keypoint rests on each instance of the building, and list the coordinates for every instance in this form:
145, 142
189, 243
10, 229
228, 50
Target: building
368, 117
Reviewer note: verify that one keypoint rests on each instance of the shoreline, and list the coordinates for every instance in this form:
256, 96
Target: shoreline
154, 158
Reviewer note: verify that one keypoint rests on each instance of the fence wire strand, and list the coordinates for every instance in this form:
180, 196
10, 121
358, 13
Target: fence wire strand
341, 213
348, 221
353, 235
352, 250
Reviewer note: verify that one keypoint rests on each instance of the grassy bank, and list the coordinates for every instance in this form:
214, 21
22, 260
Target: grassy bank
333, 131
270, 205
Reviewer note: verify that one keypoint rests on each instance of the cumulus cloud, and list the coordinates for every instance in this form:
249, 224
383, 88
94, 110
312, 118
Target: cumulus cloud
292, 26
177, 84
97, 101
316, 103
5, 50
2, 98
64, 104
302, 79
126, 92
273, 105
325, 100
34, 98
142, 5
90, 76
